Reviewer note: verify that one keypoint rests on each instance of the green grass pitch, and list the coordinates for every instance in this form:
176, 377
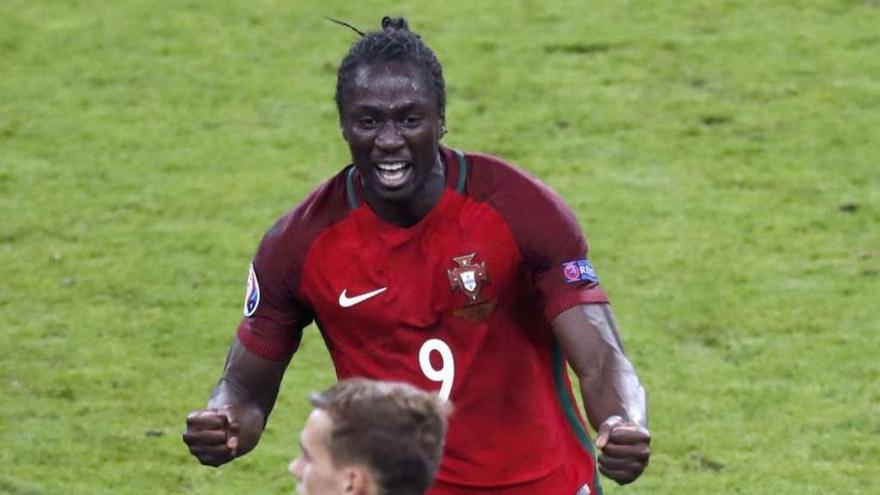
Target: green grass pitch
723, 157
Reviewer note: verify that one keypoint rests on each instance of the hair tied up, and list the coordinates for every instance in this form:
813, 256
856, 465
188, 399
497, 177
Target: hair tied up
394, 24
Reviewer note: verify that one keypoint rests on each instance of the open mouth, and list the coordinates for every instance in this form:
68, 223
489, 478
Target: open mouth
393, 175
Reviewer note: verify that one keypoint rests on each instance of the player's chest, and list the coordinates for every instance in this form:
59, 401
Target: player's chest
461, 267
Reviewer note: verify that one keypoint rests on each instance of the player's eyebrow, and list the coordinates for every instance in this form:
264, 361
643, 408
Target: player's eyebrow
406, 107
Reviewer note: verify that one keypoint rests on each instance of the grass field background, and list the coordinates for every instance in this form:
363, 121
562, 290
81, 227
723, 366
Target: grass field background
723, 157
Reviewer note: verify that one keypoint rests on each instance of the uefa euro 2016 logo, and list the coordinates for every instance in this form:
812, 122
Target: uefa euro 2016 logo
252, 295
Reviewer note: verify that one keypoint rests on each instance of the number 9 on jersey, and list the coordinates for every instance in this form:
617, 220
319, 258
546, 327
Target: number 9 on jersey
445, 374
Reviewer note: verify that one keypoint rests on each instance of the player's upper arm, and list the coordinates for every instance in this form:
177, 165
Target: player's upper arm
274, 313
275, 309
556, 252
547, 233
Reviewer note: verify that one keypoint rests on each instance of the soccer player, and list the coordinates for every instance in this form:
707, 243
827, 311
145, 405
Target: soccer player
455, 272
367, 437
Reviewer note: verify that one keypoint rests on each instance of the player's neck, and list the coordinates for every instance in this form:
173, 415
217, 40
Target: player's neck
409, 212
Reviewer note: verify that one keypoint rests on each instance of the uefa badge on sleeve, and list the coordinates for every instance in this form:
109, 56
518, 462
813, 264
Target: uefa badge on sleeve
579, 271
252, 296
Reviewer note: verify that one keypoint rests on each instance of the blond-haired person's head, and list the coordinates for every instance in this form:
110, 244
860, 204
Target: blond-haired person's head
367, 437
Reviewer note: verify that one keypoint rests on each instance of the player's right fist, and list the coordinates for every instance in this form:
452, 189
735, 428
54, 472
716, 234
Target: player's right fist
212, 435
626, 448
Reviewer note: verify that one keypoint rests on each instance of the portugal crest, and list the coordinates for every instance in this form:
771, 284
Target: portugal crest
469, 277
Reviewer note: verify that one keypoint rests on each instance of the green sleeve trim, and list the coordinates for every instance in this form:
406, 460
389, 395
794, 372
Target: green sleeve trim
569, 407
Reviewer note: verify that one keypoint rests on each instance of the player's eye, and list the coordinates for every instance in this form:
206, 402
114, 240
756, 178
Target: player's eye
367, 123
411, 121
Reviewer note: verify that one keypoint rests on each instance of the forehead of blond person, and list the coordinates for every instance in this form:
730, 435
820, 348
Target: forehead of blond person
314, 470
393, 429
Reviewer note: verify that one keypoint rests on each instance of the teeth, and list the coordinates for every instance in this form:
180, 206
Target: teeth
393, 176
390, 167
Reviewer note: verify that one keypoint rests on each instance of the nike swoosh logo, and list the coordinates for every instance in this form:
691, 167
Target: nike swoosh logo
347, 302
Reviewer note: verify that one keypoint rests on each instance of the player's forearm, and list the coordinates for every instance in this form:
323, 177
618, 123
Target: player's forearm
614, 390
608, 381
230, 393
248, 380
249, 387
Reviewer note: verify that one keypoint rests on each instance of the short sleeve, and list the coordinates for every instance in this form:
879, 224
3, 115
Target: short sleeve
274, 315
557, 254
546, 231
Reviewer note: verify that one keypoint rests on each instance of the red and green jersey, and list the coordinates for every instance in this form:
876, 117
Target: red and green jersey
460, 303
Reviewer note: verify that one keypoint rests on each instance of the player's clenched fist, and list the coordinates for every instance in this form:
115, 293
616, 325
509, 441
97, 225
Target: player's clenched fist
625, 446
213, 435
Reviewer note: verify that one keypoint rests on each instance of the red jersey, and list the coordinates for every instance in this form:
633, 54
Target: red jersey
460, 303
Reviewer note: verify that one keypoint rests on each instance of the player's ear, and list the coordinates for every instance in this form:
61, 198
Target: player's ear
441, 129
358, 481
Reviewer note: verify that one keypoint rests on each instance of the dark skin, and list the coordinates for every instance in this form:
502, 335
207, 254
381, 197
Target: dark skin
614, 399
390, 118
233, 421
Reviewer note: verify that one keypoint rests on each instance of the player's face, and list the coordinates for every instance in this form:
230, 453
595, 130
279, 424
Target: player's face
314, 470
392, 123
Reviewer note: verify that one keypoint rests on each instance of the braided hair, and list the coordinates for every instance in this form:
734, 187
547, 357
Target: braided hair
394, 43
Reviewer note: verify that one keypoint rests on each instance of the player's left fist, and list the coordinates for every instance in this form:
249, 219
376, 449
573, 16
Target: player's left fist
625, 446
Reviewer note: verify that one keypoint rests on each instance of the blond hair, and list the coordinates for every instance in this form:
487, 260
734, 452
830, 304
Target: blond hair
393, 428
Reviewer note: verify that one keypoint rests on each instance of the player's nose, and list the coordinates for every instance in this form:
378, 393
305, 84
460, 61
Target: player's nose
388, 138
295, 468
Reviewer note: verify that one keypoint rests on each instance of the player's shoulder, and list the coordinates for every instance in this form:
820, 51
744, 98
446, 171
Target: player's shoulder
541, 222
510, 188
491, 174
324, 206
